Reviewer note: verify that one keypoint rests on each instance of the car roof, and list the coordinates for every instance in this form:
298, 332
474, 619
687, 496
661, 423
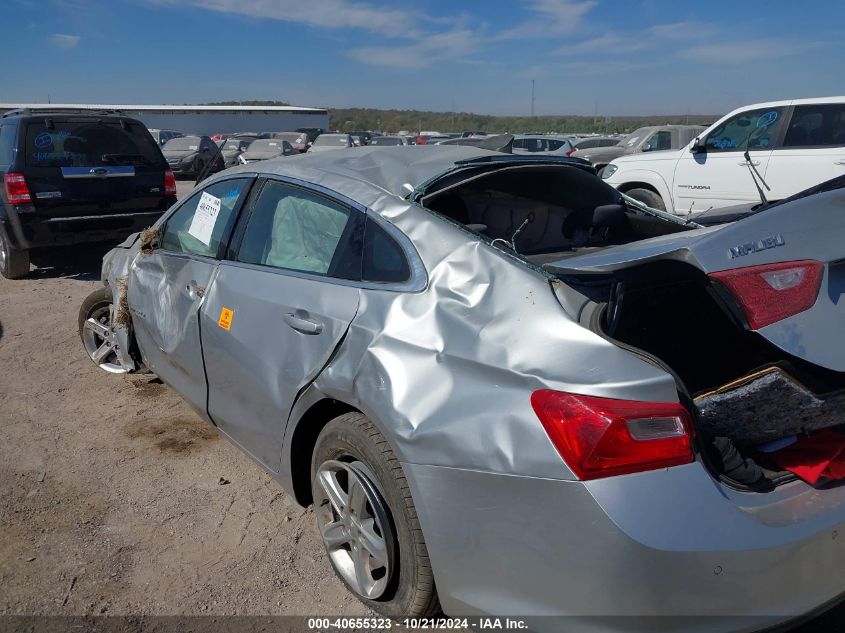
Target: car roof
367, 173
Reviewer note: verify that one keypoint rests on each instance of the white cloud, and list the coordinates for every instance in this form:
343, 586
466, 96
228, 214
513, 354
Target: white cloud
741, 51
61, 40
439, 47
329, 14
553, 18
608, 44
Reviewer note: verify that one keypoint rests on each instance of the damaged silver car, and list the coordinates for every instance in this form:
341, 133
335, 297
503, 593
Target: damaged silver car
506, 388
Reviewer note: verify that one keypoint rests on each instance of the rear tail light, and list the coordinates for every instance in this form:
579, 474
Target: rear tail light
772, 292
169, 182
570, 152
601, 437
17, 191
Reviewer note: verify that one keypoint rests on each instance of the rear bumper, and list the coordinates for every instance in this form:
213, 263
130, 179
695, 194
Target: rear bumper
33, 231
668, 550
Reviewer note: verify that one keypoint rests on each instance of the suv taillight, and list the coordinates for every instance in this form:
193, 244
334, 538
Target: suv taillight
602, 437
16, 190
169, 182
773, 292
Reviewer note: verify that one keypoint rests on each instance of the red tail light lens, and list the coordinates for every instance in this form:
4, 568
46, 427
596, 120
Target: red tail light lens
17, 191
570, 152
169, 182
602, 437
772, 292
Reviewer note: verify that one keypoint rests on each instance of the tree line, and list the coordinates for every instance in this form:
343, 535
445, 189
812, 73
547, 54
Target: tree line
352, 119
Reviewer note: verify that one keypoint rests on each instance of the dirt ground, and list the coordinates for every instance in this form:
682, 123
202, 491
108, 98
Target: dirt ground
115, 498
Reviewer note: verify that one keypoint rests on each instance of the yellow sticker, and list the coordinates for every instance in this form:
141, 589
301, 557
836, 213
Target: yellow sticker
225, 320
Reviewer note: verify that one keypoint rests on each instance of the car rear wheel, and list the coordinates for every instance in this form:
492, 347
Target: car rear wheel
647, 197
95, 317
14, 264
367, 520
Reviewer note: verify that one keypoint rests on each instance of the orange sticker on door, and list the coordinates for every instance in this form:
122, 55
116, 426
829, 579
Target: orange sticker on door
225, 320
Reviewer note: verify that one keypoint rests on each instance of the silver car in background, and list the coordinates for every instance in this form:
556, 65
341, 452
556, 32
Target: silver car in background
506, 388
331, 142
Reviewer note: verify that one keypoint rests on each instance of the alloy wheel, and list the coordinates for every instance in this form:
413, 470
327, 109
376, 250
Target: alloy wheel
355, 526
100, 342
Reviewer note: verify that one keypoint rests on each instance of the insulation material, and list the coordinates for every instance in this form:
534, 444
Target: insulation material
766, 406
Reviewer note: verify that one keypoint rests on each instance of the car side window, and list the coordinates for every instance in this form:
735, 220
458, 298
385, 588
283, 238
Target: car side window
660, 140
755, 129
294, 229
817, 126
198, 226
384, 260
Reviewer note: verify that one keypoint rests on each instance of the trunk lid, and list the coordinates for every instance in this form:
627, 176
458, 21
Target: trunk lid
806, 228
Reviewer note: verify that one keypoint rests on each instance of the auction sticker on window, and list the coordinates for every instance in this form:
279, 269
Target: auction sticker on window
205, 218
225, 320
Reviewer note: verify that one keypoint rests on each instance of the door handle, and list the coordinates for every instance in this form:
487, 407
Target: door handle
839, 162
743, 163
194, 290
303, 324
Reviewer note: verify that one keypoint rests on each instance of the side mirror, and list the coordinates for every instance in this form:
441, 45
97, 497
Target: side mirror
697, 146
646, 147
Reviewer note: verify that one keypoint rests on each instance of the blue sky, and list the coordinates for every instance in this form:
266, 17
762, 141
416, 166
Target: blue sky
606, 56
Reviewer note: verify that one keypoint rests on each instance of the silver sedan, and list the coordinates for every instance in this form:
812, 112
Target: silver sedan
505, 388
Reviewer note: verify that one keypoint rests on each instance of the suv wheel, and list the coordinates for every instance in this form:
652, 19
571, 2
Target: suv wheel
648, 197
14, 264
367, 520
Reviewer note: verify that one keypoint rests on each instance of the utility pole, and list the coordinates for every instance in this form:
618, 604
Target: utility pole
532, 98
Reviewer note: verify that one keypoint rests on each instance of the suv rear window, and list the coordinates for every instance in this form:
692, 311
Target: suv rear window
89, 143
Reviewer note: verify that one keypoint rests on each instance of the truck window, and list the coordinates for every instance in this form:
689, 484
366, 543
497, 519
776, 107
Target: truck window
817, 126
754, 129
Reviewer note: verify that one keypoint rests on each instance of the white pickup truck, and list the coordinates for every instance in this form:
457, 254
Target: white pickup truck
791, 145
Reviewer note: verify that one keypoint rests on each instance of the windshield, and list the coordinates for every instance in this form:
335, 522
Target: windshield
332, 139
290, 137
89, 143
634, 137
266, 145
386, 140
186, 143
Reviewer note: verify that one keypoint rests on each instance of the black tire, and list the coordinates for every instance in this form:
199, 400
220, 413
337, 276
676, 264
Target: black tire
14, 263
100, 298
647, 197
411, 592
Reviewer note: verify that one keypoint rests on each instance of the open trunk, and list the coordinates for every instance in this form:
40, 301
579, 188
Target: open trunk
748, 385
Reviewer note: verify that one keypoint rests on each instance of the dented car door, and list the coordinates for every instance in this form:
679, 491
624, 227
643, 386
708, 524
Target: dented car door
277, 311
168, 283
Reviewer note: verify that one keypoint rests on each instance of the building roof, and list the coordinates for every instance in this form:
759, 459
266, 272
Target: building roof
165, 108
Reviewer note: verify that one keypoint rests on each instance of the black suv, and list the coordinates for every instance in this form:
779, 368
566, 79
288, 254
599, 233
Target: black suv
74, 178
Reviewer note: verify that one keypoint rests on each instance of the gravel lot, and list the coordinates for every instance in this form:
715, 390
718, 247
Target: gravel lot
115, 498
110, 493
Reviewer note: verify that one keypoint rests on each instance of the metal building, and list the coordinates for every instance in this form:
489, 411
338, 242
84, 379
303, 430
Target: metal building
202, 119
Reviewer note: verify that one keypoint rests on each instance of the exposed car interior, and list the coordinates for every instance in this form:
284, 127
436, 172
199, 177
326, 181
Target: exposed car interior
544, 213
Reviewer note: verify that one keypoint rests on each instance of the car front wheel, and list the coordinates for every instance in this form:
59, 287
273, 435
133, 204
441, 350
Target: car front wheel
367, 520
648, 197
95, 330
